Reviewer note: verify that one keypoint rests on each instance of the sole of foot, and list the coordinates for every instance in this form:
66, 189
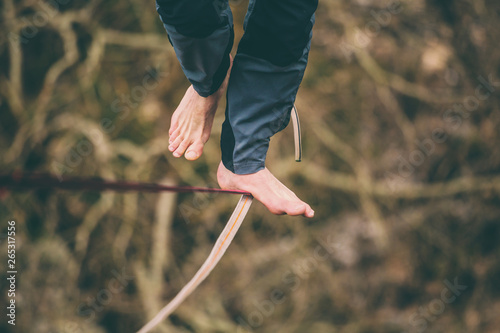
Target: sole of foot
267, 189
192, 121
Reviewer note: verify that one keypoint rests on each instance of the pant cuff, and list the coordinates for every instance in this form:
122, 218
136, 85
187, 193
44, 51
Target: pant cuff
244, 168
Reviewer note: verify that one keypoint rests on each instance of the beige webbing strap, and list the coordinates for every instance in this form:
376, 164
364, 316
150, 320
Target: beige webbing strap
218, 250
296, 134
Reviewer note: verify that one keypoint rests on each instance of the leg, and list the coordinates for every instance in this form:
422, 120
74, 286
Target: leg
201, 32
268, 69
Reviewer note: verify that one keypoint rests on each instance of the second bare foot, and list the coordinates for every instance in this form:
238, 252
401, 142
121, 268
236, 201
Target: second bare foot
267, 189
192, 122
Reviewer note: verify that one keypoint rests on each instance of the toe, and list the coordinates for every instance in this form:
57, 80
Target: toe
173, 136
174, 144
296, 209
181, 149
173, 125
173, 131
309, 211
194, 151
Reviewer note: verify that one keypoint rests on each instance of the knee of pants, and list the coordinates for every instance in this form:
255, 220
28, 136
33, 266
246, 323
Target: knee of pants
196, 18
279, 30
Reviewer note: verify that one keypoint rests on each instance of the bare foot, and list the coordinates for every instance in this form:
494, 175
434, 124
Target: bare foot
267, 189
192, 121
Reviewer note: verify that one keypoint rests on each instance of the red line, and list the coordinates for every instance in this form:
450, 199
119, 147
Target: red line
27, 181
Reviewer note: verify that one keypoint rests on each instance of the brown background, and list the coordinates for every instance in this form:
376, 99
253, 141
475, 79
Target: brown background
401, 165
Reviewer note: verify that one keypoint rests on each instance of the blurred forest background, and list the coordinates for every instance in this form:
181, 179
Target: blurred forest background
400, 122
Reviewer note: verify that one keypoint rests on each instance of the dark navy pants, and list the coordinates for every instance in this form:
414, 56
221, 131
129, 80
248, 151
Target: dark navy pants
267, 69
